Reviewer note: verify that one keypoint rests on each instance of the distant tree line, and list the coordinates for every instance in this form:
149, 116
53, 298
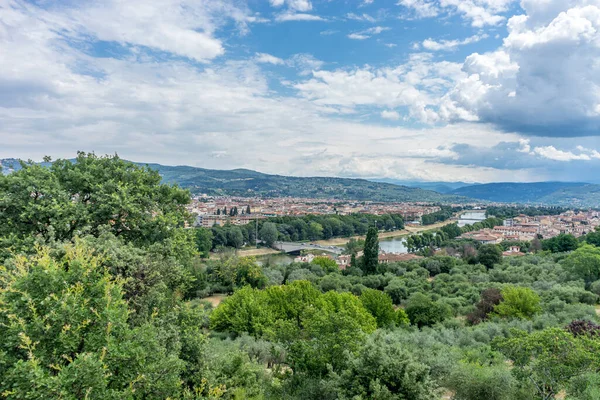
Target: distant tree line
440, 216
294, 229
505, 212
448, 232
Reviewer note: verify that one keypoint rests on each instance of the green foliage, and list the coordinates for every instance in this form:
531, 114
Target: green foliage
439, 216
584, 263
560, 243
88, 196
471, 381
551, 358
65, 334
329, 265
204, 241
370, 258
518, 302
489, 255
506, 212
268, 233
379, 304
386, 370
422, 311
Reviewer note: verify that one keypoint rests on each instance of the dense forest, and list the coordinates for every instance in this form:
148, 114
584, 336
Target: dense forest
103, 295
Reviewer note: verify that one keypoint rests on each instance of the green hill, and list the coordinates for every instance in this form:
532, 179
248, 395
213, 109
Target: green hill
243, 182
574, 194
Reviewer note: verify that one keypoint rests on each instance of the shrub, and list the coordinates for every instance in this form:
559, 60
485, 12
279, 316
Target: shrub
422, 311
518, 302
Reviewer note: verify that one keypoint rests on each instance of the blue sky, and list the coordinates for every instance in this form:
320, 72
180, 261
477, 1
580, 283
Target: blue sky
434, 90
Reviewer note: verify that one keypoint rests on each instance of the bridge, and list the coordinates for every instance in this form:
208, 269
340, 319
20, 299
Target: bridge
297, 247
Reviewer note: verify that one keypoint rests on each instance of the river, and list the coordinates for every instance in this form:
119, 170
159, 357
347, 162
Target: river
471, 217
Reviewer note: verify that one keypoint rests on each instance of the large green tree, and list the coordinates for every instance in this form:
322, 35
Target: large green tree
89, 195
268, 233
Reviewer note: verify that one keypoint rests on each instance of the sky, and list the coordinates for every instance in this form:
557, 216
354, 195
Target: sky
420, 90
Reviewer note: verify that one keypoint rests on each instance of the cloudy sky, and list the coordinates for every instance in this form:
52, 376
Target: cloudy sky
435, 90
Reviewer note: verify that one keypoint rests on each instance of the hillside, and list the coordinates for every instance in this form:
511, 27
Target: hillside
242, 182
554, 193
440, 187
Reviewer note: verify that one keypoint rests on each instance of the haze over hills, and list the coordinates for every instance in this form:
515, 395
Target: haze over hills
440, 187
577, 194
244, 182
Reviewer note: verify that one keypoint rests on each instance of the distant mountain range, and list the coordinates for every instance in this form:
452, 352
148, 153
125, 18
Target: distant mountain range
440, 187
244, 182
570, 194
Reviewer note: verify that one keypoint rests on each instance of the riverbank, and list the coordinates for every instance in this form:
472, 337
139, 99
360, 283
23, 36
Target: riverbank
249, 253
386, 235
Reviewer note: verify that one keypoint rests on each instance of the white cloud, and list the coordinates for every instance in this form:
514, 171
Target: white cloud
290, 16
362, 17
447, 45
174, 112
268, 59
367, 33
480, 12
296, 5
390, 114
163, 106
422, 8
544, 80
418, 85
552, 153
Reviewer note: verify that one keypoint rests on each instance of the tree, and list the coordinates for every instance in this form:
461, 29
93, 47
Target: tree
518, 302
385, 369
379, 304
489, 299
268, 233
65, 334
315, 231
247, 310
593, 238
489, 255
236, 272
326, 263
423, 311
550, 359
584, 263
91, 195
370, 259
248, 210
204, 243
561, 243
333, 330
234, 237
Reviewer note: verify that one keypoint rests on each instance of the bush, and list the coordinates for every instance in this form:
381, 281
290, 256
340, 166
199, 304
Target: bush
518, 302
476, 382
422, 311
